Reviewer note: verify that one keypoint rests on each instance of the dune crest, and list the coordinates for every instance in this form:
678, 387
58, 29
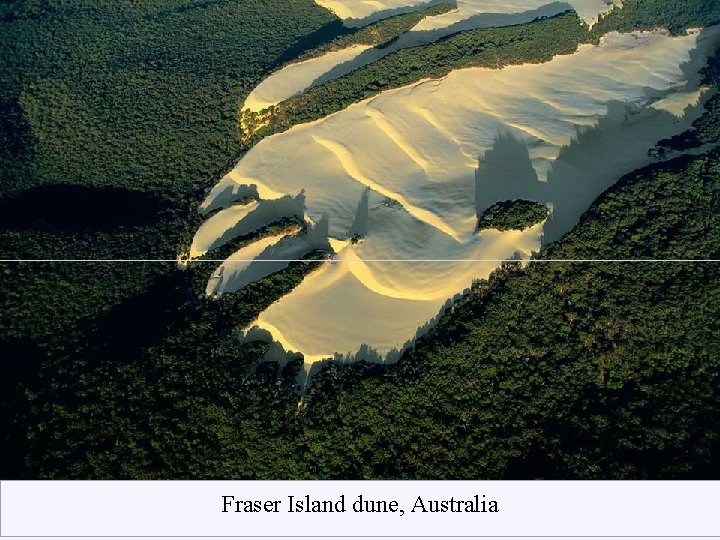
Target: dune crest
358, 10
398, 180
296, 78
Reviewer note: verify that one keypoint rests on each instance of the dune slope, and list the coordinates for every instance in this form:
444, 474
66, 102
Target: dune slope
415, 166
358, 10
469, 14
295, 78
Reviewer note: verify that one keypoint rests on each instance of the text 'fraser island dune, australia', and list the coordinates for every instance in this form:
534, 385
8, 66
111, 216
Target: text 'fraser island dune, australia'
403, 177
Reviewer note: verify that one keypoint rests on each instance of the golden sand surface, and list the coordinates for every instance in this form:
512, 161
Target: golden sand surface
409, 170
295, 78
588, 10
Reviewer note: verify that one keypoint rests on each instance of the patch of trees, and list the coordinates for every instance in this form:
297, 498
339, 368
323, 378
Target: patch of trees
507, 215
674, 15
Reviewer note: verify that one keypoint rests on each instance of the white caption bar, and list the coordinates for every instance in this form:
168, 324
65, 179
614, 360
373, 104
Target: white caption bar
257, 509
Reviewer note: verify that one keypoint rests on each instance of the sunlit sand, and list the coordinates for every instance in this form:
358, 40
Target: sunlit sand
677, 104
408, 171
379, 303
295, 78
215, 227
361, 9
588, 10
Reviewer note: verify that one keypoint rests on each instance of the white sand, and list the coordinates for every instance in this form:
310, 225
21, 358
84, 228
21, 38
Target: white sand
229, 272
588, 10
347, 304
243, 219
677, 104
295, 78
267, 256
404, 165
217, 225
361, 9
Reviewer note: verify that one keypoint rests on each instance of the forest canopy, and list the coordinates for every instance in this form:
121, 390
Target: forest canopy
518, 214
545, 371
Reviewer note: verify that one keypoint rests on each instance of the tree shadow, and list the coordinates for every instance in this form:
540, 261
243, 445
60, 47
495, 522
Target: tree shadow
77, 207
592, 163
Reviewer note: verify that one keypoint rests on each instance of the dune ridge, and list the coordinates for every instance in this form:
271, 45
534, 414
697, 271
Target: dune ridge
419, 162
357, 10
295, 78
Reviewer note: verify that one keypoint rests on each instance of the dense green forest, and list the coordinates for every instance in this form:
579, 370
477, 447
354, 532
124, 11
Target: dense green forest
518, 214
108, 103
126, 371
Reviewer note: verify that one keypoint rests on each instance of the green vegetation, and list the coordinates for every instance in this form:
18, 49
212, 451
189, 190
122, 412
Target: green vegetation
162, 375
535, 42
116, 117
518, 215
125, 371
107, 103
379, 34
674, 15
558, 370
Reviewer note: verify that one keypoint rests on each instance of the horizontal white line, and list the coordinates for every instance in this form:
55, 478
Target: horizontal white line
195, 261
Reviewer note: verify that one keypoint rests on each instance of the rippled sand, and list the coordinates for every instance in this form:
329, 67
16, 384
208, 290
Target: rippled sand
401, 171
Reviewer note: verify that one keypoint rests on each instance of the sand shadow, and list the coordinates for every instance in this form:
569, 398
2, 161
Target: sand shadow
591, 164
421, 38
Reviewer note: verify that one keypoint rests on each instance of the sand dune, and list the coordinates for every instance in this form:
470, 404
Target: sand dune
678, 103
295, 78
361, 10
242, 219
232, 274
402, 171
267, 256
588, 10
470, 14
347, 304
